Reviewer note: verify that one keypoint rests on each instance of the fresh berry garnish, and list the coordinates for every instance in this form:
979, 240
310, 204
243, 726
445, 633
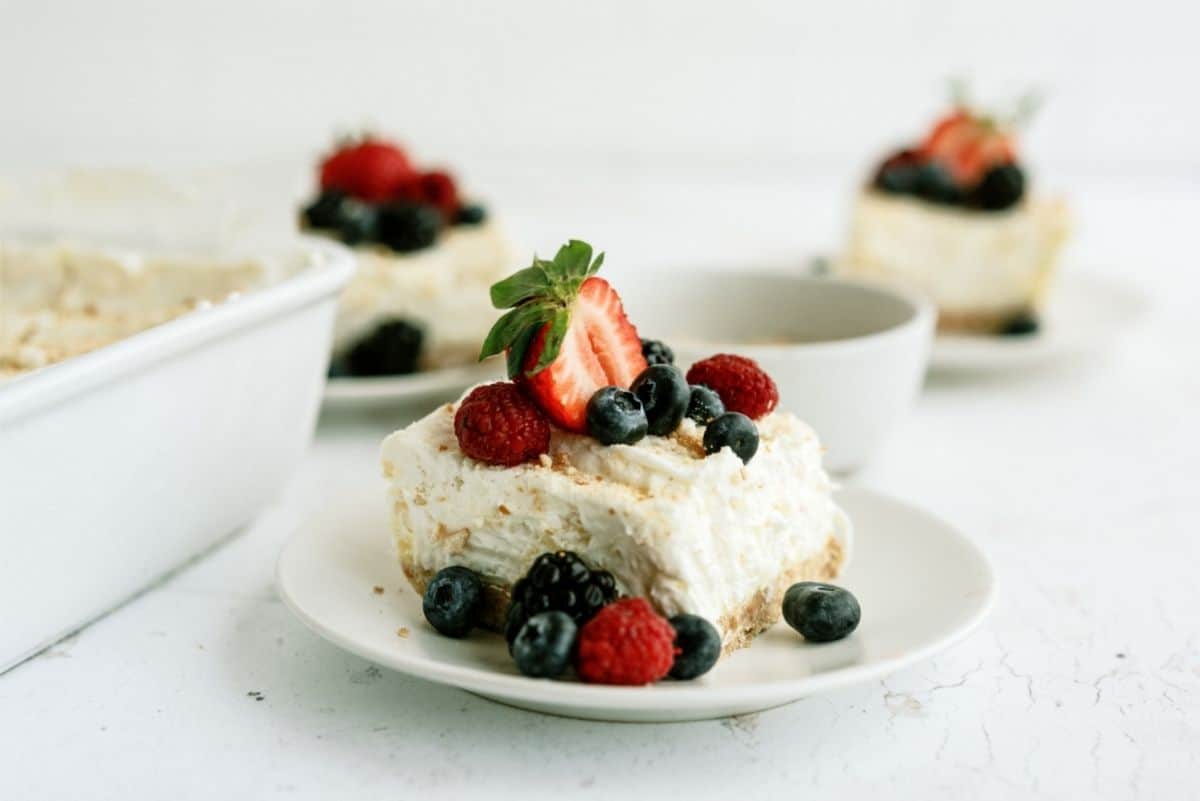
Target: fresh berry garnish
452, 600
1021, 325
968, 145
616, 417
470, 214
1001, 188
566, 335
371, 170
740, 382
542, 648
405, 227
559, 582
657, 352
627, 642
664, 394
325, 212
704, 405
393, 348
438, 190
698, 646
937, 185
497, 424
821, 612
735, 431
899, 173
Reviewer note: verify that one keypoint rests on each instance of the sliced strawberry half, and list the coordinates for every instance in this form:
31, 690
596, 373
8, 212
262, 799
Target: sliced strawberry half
968, 146
567, 335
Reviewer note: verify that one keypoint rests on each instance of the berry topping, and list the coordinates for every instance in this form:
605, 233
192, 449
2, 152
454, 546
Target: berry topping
452, 600
566, 335
405, 227
740, 382
937, 185
698, 646
439, 191
393, 348
542, 648
497, 424
325, 212
821, 612
968, 145
1022, 325
735, 431
471, 214
616, 417
371, 170
1001, 188
558, 582
899, 173
704, 405
627, 642
664, 394
657, 352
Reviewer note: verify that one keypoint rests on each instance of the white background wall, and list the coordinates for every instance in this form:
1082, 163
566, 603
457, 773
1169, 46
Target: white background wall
814, 86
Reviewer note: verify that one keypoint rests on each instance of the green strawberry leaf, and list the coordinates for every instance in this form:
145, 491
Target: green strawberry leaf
521, 286
554, 340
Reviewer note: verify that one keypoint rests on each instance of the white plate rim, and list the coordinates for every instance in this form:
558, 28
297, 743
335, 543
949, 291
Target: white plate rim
665, 697
346, 390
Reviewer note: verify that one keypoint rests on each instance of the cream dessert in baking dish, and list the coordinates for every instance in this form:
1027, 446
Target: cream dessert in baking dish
60, 300
601, 470
426, 258
954, 218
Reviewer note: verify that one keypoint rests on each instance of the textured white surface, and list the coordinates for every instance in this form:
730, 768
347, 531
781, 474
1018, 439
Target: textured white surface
1084, 683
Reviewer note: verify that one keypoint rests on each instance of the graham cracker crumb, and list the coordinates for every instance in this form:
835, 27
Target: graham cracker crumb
389, 469
561, 462
402, 632
443, 448
544, 460
502, 509
377, 590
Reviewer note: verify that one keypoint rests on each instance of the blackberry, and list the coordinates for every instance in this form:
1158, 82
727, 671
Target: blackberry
657, 352
394, 348
558, 582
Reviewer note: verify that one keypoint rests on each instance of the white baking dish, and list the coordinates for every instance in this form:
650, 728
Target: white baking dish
121, 464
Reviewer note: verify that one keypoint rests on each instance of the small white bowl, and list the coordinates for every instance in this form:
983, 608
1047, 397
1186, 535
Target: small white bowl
848, 357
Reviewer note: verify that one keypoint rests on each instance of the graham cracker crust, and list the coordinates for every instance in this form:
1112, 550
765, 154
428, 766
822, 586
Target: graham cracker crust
976, 322
738, 629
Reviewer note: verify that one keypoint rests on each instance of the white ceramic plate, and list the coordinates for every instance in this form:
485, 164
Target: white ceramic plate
922, 585
1086, 314
350, 392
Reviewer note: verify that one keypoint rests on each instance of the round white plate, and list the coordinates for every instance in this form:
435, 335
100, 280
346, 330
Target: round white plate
922, 585
1085, 314
348, 392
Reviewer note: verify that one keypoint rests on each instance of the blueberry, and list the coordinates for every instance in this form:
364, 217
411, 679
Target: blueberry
704, 405
899, 174
471, 214
733, 430
359, 223
657, 352
452, 600
664, 394
821, 612
325, 213
405, 227
393, 348
542, 648
937, 185
700, 643
1021, 325
1001, 188
615, 417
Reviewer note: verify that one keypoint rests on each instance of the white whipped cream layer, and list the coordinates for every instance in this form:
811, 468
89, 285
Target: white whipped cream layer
692, 533
61, 300
966, 261
444, 288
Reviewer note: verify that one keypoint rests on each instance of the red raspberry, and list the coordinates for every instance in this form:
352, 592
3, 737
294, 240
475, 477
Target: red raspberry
371, 170
627, 642
741, 383
497, 424
438, 189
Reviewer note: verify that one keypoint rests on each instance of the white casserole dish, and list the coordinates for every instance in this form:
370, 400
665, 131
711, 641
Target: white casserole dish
121, 464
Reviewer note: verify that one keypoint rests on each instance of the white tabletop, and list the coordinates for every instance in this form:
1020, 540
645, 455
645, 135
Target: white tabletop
1080, 481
